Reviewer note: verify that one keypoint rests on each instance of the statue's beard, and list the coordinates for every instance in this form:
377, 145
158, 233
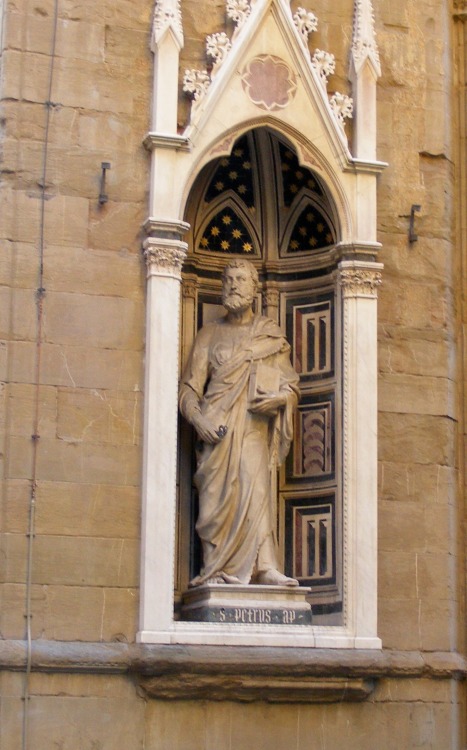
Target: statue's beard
236, 302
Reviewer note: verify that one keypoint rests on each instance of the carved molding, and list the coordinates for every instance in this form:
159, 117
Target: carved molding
364, 45
358, 281
273, 673
164, 257
167, 14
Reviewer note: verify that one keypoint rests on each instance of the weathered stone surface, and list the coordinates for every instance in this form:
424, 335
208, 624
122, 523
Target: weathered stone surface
414, 305
118, 226
409, 394
88, 510
416, 439
78, 366
415, 352
103, 322
423, 483
73, 561
22, 405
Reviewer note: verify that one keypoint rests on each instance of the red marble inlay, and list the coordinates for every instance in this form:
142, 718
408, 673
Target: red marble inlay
269, 82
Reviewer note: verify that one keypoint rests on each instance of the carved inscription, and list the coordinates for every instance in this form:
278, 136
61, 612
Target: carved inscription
252, 615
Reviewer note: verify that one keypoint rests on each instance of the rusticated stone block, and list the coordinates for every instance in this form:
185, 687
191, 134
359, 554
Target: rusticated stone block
87, 510
89, 463
415, 352
416, 438
79, 561
22, 401
118, 226
98, 272
426, 484
414, 305
78, 366
100, 322
99, 416
414, 394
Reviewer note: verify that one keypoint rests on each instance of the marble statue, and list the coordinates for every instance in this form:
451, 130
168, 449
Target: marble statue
239, 391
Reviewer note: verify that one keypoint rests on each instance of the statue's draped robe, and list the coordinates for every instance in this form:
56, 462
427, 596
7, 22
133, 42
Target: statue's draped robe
237, 513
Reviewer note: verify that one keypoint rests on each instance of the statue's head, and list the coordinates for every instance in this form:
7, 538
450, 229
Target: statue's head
239, 284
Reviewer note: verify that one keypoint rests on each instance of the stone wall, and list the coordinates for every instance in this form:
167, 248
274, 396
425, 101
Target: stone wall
71, 372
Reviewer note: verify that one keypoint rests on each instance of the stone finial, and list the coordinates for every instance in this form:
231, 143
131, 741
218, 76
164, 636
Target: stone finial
167, 14
306, 22
324, 63
342, 106
364, 45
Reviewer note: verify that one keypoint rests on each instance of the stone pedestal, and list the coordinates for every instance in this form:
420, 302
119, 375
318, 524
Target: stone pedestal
252, 604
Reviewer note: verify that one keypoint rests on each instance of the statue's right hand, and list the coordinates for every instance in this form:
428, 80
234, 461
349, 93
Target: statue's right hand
207, 431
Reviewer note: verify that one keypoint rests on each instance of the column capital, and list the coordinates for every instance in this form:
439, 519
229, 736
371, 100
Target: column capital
358, 279
164, 257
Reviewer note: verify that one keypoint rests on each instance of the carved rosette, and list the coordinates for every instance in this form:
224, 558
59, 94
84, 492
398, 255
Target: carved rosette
164, 257
306, 22
359, 282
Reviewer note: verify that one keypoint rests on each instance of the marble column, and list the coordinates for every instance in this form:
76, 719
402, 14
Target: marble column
164, 259
358, 282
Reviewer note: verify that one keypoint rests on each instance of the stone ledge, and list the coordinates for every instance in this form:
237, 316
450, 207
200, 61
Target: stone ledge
236, 672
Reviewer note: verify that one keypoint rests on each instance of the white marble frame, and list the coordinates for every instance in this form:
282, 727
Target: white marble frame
174, 169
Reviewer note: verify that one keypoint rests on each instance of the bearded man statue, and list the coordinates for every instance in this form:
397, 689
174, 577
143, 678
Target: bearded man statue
239, 391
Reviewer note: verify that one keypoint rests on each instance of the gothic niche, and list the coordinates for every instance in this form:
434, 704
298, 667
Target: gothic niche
260, 202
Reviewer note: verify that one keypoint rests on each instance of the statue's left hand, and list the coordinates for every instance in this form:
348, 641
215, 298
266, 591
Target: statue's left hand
269, 404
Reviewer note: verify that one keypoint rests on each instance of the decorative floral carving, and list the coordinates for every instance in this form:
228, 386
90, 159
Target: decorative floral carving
359, 282
324, 63
269, 82
164, 257
342, 106
306, 22
196, 83
238, 11
167, 13
218, 46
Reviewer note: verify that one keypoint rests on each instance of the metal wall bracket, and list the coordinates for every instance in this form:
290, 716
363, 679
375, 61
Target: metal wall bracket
412, 236
103, 197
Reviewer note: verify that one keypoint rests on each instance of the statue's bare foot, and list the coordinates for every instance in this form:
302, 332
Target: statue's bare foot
215, 579
231, 579
272, 577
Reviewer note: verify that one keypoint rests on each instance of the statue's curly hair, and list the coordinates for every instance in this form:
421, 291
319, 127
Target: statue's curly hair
243, 263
